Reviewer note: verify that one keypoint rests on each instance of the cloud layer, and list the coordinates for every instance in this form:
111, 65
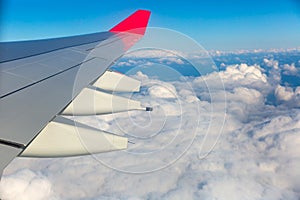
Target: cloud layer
205, 139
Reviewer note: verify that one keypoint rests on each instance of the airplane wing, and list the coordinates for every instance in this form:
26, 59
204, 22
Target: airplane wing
42, 81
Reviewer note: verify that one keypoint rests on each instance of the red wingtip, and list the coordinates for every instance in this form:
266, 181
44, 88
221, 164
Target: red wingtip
135, 23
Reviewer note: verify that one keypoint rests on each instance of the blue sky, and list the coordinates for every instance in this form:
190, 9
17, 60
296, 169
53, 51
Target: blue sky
223, 25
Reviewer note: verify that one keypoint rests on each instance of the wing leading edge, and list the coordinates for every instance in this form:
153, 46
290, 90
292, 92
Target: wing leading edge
42, 80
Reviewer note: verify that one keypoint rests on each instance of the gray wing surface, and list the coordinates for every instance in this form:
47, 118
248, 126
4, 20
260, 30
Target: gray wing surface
38, 79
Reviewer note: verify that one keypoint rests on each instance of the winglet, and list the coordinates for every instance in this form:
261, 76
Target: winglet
135, 23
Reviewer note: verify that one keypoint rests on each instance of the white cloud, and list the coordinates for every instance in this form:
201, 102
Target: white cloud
153, 53
235, 76
256, 157
271, 63
288, 95
159, 91
290, 69
172, 60
242, 72
26, 185
138, 57
284, 93
244, 51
